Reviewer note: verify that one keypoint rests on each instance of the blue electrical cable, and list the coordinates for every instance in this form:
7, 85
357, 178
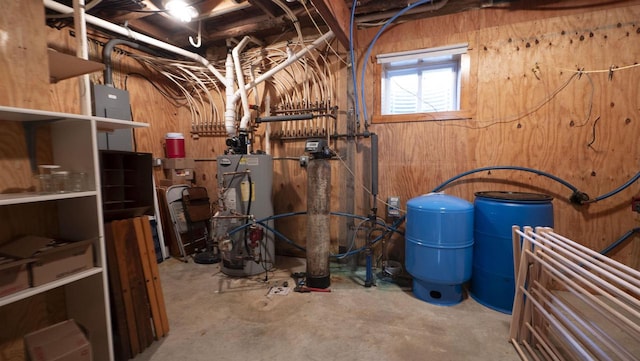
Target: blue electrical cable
615, 244
501, 167
375, 240
353, 62
615, 191
577, 196
277, 233
262, 222
368, 53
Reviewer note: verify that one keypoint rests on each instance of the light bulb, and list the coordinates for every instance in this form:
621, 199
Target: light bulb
180, 10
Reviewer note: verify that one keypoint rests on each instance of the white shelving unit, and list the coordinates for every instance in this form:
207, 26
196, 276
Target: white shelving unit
79, 214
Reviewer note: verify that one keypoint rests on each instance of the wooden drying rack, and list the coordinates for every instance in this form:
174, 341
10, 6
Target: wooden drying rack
572, 303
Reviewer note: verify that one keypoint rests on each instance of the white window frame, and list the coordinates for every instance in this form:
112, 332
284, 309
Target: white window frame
417, 69
424, 59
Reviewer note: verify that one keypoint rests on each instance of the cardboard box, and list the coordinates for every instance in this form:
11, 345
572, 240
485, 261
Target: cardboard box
54, 259
178, 163
63, 341
169, 183
14, 275
179, 174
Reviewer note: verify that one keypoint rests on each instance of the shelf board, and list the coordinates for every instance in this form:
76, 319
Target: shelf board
48, 286
64, 66
33, 115
19, 198
108, 124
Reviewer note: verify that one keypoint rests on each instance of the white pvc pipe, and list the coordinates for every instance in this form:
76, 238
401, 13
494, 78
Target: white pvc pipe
53, 5
230, 109
82, 52
244, 121
323, 39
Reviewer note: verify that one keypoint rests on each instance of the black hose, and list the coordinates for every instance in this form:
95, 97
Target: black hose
246, 219
615, 244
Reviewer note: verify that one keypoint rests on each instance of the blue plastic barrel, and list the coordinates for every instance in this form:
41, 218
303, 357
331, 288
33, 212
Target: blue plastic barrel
492, 283
438, 249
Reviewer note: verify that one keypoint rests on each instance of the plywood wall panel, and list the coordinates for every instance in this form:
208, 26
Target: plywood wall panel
532, 111
26, 316
23, 55
24, 77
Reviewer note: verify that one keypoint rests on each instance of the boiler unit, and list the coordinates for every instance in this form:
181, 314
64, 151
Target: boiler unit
246, 242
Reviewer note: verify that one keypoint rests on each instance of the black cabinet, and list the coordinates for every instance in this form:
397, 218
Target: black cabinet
126, 184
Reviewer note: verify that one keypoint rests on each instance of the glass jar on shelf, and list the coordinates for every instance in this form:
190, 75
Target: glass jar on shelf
44, 178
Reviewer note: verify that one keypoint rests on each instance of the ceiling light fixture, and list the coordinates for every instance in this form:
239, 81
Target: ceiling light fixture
181, 10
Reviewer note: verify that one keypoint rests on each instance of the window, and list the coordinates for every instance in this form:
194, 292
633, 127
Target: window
422, 85
422, 81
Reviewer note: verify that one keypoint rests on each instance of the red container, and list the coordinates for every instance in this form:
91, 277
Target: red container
174, 145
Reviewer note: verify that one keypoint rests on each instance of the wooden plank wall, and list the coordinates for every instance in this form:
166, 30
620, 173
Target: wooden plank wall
532, 111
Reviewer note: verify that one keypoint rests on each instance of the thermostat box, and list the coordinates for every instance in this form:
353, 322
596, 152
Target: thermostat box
53, 258
64, 341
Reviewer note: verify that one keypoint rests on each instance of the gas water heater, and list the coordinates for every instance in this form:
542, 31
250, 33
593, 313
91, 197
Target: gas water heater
245, 187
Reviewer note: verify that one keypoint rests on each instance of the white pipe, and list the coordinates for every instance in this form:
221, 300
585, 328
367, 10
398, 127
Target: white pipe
230, 110
324, 38
53, 5
79, 18
244, 121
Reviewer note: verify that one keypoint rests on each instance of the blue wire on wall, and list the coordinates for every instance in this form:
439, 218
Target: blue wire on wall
370, 48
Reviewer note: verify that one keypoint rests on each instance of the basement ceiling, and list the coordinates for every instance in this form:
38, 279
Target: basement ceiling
221, 21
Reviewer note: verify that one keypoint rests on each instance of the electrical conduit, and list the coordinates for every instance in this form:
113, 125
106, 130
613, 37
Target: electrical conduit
106, 56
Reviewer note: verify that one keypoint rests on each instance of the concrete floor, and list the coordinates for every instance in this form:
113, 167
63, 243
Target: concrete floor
215, 317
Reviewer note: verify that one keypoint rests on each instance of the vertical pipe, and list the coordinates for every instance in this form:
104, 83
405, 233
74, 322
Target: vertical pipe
230, 107
267, 131
240, 79
79, 20
368, 281
374, 167
318, 222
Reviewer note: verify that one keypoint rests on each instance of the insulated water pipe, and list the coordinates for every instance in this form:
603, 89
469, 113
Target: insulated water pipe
230, 108
321, 40
244, 121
